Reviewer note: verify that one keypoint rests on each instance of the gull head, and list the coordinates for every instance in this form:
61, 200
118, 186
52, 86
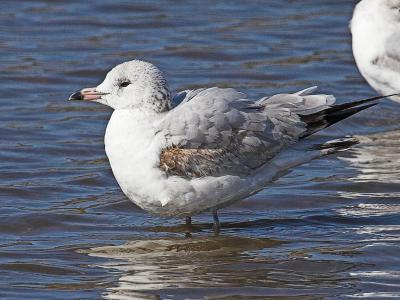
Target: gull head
131, 85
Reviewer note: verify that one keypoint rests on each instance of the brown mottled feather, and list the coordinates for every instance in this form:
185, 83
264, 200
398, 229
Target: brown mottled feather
187, 162
194, 163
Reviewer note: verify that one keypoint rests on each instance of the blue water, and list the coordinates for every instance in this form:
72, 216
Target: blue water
330, 229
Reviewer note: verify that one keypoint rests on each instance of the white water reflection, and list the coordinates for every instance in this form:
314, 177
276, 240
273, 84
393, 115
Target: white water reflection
369, 209
377, 274
380, 275
381, 295
378, 157
377, 162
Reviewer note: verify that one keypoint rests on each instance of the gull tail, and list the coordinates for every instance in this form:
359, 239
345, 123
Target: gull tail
329, 116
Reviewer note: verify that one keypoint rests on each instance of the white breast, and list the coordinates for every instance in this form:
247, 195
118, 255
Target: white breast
133, 152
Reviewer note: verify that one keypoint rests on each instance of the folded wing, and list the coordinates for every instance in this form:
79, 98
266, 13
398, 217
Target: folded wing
216, 132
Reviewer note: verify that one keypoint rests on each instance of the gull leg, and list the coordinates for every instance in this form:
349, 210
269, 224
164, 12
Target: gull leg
188, 234
217, 225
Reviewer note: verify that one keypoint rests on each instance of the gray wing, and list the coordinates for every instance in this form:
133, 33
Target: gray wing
390, 59
215, 131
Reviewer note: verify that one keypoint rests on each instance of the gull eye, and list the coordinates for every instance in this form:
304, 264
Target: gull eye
124, 84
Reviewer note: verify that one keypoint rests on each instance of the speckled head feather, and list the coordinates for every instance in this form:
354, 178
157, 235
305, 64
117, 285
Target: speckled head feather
135, 84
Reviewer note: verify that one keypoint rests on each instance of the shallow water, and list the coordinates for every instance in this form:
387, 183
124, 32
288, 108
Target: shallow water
329, 229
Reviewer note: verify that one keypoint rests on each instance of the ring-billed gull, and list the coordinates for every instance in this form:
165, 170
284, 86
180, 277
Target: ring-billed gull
215, 147
375, 27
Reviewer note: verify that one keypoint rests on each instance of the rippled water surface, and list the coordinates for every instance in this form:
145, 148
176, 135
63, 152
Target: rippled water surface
329, 229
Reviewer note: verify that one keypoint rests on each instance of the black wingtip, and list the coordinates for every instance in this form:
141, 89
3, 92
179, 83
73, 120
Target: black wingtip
339, 115
336, 113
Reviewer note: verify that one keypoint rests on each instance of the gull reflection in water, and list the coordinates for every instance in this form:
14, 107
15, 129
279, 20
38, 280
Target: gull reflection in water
175, 263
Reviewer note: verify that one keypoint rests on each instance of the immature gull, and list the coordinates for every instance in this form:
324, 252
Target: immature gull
214, 148
376, 44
